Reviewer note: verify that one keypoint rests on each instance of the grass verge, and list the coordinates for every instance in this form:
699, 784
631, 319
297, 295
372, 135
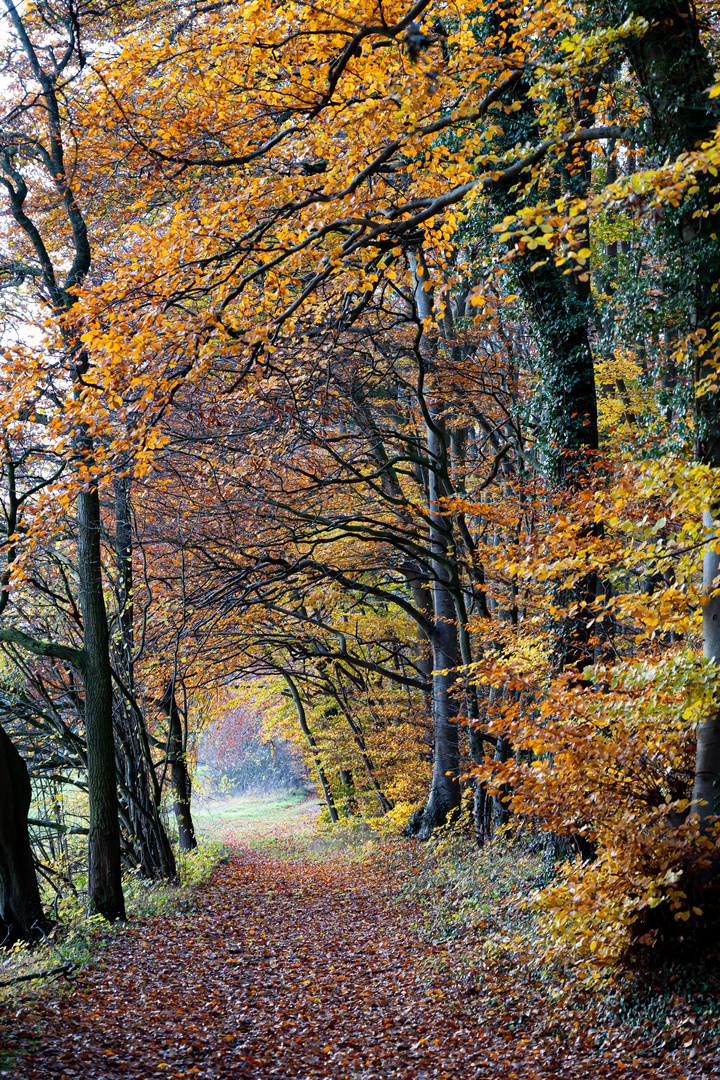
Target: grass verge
78, 935
472, 905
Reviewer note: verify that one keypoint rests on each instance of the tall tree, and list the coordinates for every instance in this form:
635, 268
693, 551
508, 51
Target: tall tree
675, 73
35, 131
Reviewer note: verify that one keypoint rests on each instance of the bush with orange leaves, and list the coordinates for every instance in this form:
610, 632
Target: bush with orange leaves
610, 759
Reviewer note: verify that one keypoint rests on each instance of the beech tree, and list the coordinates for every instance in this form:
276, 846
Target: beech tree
34, 137
675, 72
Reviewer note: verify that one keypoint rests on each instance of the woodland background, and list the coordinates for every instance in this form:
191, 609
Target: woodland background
360, 398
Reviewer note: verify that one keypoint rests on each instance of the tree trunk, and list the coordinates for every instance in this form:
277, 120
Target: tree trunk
568, 377
302, 720
350, 803
500, 812
359, 738
139, 785
21, 913
104, 875
123, 563
140, 804
179, 775
675, 73
445, 796
559, 307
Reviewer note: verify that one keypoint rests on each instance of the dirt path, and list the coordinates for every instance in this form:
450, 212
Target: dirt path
293, 967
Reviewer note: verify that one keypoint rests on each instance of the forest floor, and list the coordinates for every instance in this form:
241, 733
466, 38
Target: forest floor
300, 959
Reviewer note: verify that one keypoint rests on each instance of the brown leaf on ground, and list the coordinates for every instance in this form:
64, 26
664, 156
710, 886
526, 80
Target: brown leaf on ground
298, 967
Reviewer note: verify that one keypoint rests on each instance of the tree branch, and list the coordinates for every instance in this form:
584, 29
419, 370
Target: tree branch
12, 636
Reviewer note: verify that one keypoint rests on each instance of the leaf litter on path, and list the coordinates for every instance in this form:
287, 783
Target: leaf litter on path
294, 967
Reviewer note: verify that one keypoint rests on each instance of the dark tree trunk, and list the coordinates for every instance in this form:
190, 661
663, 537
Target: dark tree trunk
482, 801
139, 784
559, 307
104, 875
350, 803
445, 795
675, 73
302, 720
123, 563
140, 805
500, 812
21, 914
359, 738
568, 377
179, 775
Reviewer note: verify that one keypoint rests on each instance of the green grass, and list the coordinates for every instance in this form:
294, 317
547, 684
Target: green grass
242, 809
280, 824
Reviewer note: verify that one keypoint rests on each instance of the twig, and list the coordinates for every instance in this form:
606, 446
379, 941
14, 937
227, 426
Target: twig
66, 830
64, 970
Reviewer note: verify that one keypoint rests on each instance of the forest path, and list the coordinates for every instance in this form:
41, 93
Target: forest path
294, 964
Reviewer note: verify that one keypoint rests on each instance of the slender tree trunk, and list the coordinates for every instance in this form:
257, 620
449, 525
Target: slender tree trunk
104, 876
359, 739
500, 813
124, 566
348, 792
140, 785
476, 738
302, 720
140, 804
179, 775
21, 913
445, 795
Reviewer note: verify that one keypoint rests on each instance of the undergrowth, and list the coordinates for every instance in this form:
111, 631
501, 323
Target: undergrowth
476, 910
475, 906
77, 935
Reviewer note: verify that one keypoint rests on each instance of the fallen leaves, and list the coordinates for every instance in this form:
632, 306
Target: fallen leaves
300, 966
